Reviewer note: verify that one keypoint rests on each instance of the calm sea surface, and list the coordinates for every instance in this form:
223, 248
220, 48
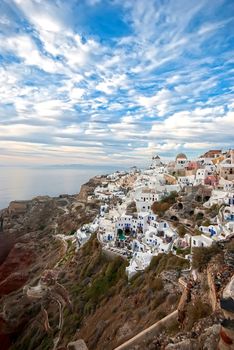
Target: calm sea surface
25, 183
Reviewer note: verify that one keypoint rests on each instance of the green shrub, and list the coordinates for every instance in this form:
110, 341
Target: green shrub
159, 298
197, 310
206, 222
137, 280
203, 255
156, 284
164, 204
89, 308
199, 216
183, 252
230, 246
181, 230
72, 232
114, 271
165, 262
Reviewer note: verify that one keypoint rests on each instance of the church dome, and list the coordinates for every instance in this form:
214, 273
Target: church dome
181, 156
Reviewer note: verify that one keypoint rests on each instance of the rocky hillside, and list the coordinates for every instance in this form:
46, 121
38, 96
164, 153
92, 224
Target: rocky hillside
52, 294
32, 241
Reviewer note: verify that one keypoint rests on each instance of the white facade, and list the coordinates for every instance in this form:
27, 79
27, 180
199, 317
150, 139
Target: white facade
219, 197
181, 163
201, 174
107, 237
184, 181
201, 241
139, 262
134, 223
145, 200
226, 184
156, 162
213, 231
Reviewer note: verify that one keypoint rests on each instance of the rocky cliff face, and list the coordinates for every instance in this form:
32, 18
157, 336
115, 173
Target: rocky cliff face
31, 241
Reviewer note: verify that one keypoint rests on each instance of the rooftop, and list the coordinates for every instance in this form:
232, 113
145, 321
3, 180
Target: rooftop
181, 156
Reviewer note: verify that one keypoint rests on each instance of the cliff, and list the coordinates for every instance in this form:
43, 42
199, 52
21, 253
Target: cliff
31, 241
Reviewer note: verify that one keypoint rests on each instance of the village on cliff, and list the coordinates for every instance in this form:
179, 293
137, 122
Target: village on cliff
167, 208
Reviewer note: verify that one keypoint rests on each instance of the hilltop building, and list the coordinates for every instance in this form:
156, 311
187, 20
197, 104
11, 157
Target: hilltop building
181, 161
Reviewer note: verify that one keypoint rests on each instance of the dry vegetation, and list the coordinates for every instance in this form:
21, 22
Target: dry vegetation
164, 204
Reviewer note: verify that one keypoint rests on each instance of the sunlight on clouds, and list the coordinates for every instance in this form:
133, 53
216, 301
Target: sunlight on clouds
151, 77
158, 102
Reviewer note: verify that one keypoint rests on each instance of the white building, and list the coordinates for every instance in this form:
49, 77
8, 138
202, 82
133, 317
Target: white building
139, 262
213, 231
227, 185
184, 181
181, 161
201, 174
107, 237
220, 197
156, 162
134, 222
145, 199
201, 241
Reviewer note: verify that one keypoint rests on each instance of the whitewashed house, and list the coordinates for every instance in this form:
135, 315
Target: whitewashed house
181, 161
134, 223
201, 241
213, 231
146, 198
200, 177
139, 262
184, 181
137, 246
226, 185
107, 237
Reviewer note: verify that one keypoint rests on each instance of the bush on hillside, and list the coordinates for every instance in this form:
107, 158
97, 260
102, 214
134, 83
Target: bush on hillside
156, 284
203, 255
181, 230
165, 262
197, 310
164, 204
115, 270
206, 222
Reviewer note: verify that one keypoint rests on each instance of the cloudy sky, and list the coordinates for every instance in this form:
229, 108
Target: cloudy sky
100, 81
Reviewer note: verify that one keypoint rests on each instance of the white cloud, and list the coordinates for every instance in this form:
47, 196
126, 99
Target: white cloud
24, 47
209, 125
76, 94
65, 83
159, 102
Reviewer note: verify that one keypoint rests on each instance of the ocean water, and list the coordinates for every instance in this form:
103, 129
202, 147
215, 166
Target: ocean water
26, 183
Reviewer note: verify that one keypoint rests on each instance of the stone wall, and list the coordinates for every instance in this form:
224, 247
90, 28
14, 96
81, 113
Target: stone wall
111, 254
150, 332
212, 291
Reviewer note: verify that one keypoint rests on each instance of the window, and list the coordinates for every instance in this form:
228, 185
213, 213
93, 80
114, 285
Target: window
194, 242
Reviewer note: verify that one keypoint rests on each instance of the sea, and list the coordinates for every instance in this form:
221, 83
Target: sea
18, 183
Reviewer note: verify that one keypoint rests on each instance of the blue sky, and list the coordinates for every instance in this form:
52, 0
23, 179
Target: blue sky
114, 81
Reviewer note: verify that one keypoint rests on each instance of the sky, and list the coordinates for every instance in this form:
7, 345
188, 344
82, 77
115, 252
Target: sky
103, 82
